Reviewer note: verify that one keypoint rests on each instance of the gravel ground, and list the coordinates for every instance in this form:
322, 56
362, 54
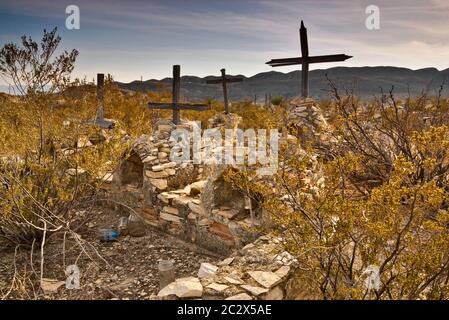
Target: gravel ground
131, 271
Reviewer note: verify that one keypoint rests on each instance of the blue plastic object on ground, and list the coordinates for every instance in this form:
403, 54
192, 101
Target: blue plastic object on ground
109, 234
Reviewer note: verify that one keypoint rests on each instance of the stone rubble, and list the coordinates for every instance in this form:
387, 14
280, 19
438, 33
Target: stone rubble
169, 196
194, 203
241, 277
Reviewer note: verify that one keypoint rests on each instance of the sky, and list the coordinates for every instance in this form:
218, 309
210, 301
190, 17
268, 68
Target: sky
136, 38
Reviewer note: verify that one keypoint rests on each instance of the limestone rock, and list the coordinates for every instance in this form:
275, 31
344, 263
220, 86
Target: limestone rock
181, 201
149, 159
170, 171
168, 165
51, 285
234, 280
265, 278
226, 262
256, 291
217, 287
171, 210
160, 184
198, 209
283, 271
207, 270
156, 174
189, 287
240, 296
169, 217
158, 167
162, 155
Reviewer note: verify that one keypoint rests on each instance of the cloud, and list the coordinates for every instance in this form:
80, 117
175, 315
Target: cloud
128, 37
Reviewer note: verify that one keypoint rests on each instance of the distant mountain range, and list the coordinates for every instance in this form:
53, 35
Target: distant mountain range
365, 82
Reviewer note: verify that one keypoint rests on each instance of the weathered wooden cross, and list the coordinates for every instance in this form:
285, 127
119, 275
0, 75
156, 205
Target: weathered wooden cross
99, 118
224, 81
305, 60
100, 96
175, 105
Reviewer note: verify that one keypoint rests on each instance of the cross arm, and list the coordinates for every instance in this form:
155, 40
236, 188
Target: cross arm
313, 59
228, 80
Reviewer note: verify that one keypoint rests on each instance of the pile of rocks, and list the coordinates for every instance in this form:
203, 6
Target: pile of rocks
260, 270
169, 195
307, 112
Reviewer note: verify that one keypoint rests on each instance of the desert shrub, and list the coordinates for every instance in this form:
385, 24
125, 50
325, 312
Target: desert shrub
48, 164
277, 100
374, 201
183, 177
255, 117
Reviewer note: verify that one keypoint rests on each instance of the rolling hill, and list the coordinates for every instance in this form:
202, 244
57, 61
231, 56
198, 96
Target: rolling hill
365, 82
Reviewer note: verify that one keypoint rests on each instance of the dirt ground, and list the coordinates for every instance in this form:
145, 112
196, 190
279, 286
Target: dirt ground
130, 270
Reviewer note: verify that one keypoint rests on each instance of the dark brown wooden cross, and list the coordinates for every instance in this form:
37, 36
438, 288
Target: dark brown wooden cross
99, 118
175, 105
224, 81
100, 95
305, 60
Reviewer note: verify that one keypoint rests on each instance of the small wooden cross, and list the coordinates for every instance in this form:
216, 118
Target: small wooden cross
99, 118
100, 96
224, 81
175, 105
305, 60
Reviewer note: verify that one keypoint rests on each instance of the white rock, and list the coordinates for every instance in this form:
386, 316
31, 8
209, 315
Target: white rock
162, 155
283, 271
226, 262
168, 165
189, 287
170, 171
156, 174
234, 280
181, 201
207, 270
51, 285
265, 278
149, 159
158, 167
160, 184
256, 291
169, 217
240, 296
217, 287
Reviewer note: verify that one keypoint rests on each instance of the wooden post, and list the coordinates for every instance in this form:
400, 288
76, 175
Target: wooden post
305, 58
225, 91
176, 93
100, 96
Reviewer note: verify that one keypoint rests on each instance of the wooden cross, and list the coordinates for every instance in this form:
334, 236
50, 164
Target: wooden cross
99, 118
224, 81
305, 60
175, 105
100, 96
